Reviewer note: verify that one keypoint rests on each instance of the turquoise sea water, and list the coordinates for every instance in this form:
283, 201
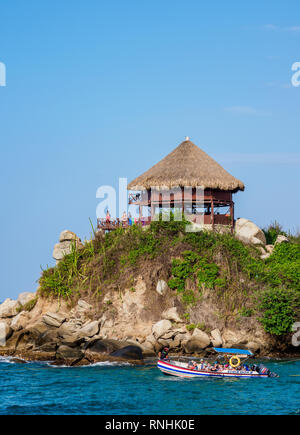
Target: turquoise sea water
106, 388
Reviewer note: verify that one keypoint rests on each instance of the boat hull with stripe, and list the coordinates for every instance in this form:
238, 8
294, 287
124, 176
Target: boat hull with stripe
183, 372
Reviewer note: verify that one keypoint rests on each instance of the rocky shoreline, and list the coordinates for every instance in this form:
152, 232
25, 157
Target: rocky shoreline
132, 323
52, 331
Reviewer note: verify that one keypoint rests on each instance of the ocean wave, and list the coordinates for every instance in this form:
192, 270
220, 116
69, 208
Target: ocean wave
98, 364
109, 363
6, 359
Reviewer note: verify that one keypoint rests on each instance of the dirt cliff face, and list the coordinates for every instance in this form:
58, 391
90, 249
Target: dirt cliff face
147, 289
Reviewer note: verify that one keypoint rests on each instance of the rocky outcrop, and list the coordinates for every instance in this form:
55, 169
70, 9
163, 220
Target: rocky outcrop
5, 332
54, 319
129, 352
90, 329
249, 233
20, 321
281, 239
267, 250
66, 353
128, 323
162, 287
161, 328
68, 236
198, 341
9, 308
64, 247
26, 297
216, 338
172, 315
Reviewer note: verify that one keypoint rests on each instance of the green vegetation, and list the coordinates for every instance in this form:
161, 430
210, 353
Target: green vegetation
279, 311
272, 232
193, 265
29, 306
218, 265
193, 326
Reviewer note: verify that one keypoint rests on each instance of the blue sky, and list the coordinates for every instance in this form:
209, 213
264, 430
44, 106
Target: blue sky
100, 90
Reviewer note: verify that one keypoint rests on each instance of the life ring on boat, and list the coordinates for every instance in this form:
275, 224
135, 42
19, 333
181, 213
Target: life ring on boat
234, 365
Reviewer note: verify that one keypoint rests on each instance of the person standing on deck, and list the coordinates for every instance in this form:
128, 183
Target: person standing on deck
163, 354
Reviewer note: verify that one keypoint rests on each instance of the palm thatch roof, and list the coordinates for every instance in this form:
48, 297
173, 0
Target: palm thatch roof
187, 166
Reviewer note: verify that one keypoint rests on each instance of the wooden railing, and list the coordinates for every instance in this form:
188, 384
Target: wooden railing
113, 224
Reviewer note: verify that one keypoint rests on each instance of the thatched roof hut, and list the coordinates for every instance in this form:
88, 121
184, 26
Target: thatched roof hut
187, 166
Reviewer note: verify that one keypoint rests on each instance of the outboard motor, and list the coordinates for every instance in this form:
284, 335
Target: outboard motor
264, 371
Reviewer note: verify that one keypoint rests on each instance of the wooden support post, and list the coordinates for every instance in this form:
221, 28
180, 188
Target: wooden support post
152, 211
232, 215
182, 196
212, 214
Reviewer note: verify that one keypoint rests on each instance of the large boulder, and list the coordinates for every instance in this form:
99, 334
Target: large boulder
100, 346
69, 335
216, 338
129, 352
248, 232
20, 321
48, 337
54, 319
199, 341
162, 287
37, 328
160, 328
83, 306
90, 329
234, 338
66, 353
281, 239
64, 247
61, 250
5, 332
68, 329
9, 308
68, 236
172, 314
26, 297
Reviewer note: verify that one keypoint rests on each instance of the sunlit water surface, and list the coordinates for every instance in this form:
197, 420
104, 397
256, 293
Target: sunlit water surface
107, 388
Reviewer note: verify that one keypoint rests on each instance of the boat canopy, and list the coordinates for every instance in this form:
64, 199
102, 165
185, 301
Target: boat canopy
233, 351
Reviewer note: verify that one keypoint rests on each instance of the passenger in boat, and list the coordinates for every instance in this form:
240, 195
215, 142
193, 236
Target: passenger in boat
107, 217
202, 365
190, 365
215, 367
195, 366
163, 354
124, 218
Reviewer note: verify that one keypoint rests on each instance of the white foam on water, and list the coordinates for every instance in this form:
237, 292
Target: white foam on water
98, 364
109, 363
6, 359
